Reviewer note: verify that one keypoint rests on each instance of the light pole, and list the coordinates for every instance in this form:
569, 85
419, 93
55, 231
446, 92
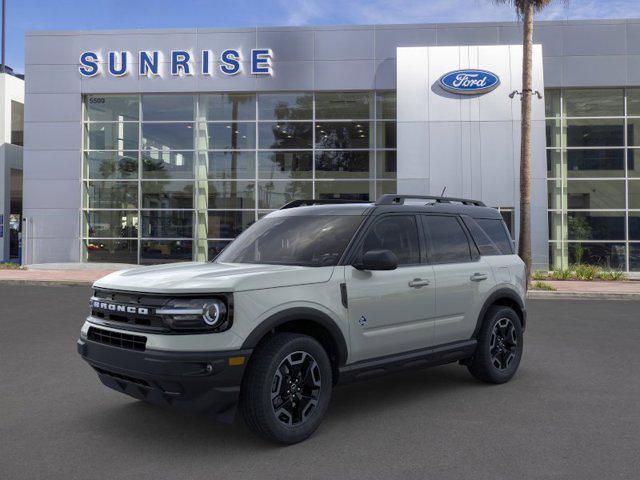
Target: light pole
4, 5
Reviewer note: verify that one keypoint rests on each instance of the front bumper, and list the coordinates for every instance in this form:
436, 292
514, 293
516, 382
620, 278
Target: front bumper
200, 381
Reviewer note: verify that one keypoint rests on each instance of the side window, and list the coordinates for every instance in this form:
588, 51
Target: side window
497, 232
447, 239
396, 233
486, 246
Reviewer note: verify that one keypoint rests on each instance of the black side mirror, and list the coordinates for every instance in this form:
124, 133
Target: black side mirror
378, 260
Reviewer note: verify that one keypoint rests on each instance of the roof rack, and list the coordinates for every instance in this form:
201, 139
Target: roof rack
317, 201
391, 199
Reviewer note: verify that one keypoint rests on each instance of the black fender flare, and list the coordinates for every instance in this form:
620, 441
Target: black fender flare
495, 297
300, 314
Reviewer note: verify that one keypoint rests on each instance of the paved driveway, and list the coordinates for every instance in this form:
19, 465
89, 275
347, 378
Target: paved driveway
573, 411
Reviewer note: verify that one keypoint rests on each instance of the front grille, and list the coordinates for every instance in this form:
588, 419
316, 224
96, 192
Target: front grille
117, 339
146, 320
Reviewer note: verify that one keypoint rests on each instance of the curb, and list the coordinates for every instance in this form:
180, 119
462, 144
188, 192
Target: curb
545, 295
47, 283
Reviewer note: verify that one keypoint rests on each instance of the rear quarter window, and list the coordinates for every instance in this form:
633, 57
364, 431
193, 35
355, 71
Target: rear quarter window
496, 230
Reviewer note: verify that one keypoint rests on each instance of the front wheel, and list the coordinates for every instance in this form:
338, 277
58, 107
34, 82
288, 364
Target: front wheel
287, 388
499, 349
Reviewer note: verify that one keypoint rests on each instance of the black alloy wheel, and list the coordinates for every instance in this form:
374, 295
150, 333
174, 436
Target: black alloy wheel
504, 344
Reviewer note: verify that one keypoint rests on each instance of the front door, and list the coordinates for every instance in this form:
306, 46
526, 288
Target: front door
391, 311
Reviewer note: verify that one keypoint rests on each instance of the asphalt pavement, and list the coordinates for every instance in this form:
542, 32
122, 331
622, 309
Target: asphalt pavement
572, 411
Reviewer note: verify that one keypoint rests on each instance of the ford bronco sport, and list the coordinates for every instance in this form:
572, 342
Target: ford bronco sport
317, 293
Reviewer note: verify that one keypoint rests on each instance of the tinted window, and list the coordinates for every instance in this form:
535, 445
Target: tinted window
447, 240
398, 234
485, 245
313, 241
497, 233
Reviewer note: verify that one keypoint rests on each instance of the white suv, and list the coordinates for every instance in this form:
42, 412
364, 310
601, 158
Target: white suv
317, 293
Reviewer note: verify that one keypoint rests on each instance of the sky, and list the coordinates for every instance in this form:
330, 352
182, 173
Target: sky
26, 15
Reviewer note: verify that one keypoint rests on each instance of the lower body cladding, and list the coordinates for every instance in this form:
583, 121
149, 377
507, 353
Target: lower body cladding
199, 381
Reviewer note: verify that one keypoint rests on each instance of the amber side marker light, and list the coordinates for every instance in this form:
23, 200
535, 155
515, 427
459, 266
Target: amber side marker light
236, 361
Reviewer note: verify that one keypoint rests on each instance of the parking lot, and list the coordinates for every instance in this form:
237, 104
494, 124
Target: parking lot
571, 412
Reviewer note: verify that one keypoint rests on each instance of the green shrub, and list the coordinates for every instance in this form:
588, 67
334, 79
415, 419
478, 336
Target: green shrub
9, 266
562, 274
587, 272
612, 276
540, 275
543, 286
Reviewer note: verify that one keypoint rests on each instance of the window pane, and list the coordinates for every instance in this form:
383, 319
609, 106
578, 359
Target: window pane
386, 106
595, 163
111, 108
556, 232
232, 195
634, 225
387, 164
111, 136
356, 190
167, 194
122, 195
106, 224
595, 194
289, 135
554, 164
634, 194
386, 186
633, 101
634, 257
112, 251
227, 106
273, 195
596, 225
228, 224
227, 136
167, 164
334, 135
593, 103
552, 103
216, 246
611, 256
165, 251
17, 123
167, 136
229, 164
386, 136
554, 133
497, 232
398, 234
633, 159
350, 105
174, 224
344, 164
294, 165
447, 241
111, 165
595, 133
285, 106
633, 132
168, 107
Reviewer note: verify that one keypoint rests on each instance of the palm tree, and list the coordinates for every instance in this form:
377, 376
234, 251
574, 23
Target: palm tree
525, 10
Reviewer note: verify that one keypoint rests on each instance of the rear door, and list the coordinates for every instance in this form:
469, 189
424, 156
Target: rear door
463, 279
391, 311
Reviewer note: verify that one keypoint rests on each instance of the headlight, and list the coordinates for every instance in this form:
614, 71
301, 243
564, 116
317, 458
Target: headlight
196, 314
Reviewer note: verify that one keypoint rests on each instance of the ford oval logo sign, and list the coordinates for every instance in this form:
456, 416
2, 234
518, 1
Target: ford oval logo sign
469, 82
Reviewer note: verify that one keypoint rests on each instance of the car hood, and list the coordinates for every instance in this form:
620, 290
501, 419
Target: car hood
196, 277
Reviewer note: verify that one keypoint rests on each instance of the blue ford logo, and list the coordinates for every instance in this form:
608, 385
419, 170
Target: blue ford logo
469, 82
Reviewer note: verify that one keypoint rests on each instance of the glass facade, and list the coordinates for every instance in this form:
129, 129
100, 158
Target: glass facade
170, 177
593, 177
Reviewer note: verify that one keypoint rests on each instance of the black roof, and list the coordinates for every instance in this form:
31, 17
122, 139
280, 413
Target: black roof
391, 203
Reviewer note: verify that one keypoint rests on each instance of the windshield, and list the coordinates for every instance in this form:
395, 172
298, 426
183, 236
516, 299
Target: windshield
310, 241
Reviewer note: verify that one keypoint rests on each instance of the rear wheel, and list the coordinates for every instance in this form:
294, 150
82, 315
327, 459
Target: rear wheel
499, 349
287, 388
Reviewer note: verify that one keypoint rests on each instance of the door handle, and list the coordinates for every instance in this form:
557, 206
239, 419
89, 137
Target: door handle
478, 277
418, 282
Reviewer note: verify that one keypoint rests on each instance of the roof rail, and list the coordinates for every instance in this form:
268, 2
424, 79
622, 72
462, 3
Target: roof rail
317, 201
391, 199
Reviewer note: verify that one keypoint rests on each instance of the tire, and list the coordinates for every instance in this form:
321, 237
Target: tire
500, 343
287, 388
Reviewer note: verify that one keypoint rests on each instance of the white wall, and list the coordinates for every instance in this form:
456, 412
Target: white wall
470, 144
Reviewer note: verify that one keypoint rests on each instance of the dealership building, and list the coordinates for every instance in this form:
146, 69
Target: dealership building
149, 146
